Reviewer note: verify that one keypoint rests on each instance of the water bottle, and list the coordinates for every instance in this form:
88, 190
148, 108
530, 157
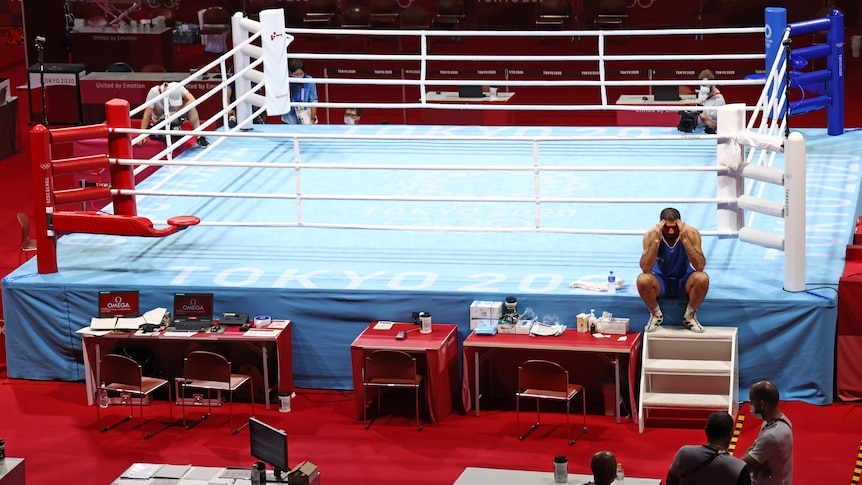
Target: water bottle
103, 397
612, 283
561, 469
2, 452
620, 474
255, 474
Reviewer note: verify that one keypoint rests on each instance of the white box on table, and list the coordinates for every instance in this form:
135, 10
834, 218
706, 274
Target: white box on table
481, 322
614, 326
523, 327
486, 309
506, 327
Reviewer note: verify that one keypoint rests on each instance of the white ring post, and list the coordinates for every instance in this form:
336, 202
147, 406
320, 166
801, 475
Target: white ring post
794, 212
731, 154
240, 61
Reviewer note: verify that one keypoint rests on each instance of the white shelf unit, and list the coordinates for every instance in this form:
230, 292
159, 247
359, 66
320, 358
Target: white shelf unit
682, 369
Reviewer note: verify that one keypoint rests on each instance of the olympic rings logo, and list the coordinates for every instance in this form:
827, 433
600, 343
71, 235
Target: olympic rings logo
45, 166
641, 3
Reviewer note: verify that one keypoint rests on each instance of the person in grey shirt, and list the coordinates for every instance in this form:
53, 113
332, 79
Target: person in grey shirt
770, 458
709, 464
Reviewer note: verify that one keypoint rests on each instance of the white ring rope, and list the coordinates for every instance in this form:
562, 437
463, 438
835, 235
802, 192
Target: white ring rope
417, 198
443, 138
444, 168
530, 33
594, 232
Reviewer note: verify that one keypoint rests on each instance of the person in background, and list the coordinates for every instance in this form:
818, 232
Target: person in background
352, 116
179, 98
709, 464
770, 458
604, 467
672, 263
301, 93
708, 95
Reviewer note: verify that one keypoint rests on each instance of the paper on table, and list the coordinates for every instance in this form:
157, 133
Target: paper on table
258, 332
383, 325
177, 333
622, 338
278, 324
105, 323
203, 473
155, 315
129, 323
141, 470
90, 331
172, 471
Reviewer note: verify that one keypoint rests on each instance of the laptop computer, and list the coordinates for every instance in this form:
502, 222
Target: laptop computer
665, 93
118, 311
470, 92
192, 312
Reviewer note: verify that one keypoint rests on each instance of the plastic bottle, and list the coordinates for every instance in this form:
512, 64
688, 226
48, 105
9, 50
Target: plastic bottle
561, 469
2, 452
511, 313
593, 320
620, 474
103, 397
612, 283
255, 474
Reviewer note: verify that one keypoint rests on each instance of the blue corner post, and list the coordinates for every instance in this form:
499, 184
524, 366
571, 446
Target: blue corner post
776, 24
833, 51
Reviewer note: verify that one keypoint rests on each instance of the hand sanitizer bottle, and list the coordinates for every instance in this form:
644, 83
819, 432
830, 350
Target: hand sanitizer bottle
621, 476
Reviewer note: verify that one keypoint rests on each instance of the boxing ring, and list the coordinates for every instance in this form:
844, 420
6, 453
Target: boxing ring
336, 226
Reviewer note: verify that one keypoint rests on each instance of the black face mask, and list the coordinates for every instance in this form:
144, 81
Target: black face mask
670, 233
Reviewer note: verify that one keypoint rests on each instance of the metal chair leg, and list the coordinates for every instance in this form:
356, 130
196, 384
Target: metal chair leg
251, 386
418, 419
535, 425
584, 411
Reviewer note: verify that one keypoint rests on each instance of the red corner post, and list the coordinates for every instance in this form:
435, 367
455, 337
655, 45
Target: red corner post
120, 146
43, 198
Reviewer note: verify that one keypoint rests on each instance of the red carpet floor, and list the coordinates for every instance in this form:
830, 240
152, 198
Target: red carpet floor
49, 425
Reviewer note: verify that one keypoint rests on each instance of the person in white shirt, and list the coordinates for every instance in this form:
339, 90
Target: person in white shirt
178, 98
708, 95
352, 116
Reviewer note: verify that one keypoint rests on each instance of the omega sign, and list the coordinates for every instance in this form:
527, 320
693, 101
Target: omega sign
116, 306
192, 306
119, 304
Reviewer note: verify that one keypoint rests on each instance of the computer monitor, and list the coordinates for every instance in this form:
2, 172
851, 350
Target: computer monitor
470, 92
666, 93
268, 445
118, 303
193, 306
